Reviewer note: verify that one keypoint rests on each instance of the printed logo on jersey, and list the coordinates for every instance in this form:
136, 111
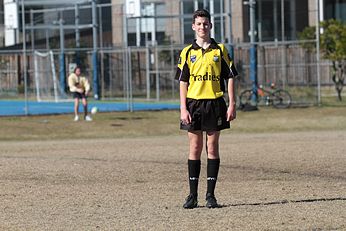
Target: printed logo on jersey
205, 77
216, 58
193, 58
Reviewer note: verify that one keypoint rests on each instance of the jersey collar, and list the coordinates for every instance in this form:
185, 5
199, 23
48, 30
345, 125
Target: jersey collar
213, 44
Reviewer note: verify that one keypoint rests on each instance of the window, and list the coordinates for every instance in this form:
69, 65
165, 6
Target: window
335, 9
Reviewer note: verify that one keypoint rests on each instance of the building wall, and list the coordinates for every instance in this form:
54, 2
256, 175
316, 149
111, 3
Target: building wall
173, 21
238, 21
2, 27
312, 12
117, 23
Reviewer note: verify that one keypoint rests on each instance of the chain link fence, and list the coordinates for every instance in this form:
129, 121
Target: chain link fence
147, 73
137, 61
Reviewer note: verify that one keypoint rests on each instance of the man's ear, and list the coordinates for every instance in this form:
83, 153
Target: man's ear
211, 26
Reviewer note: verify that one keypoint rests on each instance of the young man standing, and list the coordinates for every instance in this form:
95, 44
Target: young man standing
80, 87
203, 68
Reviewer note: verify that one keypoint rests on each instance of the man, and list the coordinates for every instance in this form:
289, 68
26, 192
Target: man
80, 87
203, 68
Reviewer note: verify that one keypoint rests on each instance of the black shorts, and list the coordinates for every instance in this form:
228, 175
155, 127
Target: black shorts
79, 95
207, 115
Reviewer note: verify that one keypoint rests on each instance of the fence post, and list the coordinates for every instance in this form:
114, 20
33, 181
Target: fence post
94, 53
253, 53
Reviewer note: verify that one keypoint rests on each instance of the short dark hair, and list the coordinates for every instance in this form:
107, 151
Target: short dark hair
75, 69
201, 13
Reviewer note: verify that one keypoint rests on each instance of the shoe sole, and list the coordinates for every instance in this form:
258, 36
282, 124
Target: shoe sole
212, 206
191, 207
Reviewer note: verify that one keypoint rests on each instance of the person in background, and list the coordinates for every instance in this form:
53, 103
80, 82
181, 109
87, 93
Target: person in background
79, 87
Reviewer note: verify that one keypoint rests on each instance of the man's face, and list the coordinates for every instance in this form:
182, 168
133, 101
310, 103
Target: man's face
202, 27
77, 72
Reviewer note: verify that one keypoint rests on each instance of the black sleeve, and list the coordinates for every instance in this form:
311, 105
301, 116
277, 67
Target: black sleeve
228, 72
225, 71
184, 74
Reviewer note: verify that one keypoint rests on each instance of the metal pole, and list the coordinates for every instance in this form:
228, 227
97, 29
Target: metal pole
47, 40
153, 32
205, 4
77, 34
157, 74
147, 65
259, 29
253, 52
32, 31
125, 63
275, 19
130, 80
230, 36
282, 20
26, 109
138, 32
62, 57
318, 53
181, 21
101, 54
293, 20
211, 10
283, 56
94, 53
229, 15
222, 22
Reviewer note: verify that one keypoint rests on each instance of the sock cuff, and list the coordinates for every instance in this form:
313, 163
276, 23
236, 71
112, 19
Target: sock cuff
213, 161
194, 162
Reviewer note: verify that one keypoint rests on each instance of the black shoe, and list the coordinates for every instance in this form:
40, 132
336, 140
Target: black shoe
190, 202
211, 201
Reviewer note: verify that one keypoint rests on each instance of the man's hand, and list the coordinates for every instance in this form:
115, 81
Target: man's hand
80, 90
231, 112
185, 116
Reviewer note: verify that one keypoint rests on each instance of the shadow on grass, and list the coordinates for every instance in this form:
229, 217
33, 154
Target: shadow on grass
286, 202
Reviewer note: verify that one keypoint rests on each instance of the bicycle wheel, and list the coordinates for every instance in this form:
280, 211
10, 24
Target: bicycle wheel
281, 99
245, 97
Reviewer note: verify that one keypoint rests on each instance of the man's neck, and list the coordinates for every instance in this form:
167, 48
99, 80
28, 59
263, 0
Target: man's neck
204, 43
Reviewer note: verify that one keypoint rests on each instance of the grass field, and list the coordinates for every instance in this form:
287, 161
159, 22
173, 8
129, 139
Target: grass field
161, 123
280, 170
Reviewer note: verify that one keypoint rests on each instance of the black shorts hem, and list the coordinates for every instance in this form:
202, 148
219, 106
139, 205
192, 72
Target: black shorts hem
77, 95
206, 115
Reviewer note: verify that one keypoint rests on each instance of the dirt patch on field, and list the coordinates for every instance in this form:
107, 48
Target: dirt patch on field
281, 181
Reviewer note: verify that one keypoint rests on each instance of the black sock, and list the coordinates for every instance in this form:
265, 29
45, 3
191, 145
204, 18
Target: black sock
194, 170
213, 166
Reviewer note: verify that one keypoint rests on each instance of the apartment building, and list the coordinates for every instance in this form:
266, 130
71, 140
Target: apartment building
169, 22
275, 20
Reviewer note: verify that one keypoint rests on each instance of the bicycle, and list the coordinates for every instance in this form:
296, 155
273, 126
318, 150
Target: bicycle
278, 98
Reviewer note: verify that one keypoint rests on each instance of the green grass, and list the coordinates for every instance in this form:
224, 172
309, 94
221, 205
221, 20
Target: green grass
166, 123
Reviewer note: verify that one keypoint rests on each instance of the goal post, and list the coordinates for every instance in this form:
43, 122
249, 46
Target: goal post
46, 82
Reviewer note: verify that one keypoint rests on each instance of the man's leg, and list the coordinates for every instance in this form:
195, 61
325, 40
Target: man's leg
76, 106
194, 166
85, 106
213, 166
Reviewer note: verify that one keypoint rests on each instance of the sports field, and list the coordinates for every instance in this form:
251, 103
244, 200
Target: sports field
280, 170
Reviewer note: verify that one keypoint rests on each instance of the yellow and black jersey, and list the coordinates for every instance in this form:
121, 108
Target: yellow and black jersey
205, 70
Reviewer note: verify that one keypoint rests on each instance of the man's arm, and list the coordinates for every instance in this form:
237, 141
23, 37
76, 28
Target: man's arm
231, 111
184, 113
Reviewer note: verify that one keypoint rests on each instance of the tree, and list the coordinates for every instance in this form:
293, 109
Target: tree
333, 47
